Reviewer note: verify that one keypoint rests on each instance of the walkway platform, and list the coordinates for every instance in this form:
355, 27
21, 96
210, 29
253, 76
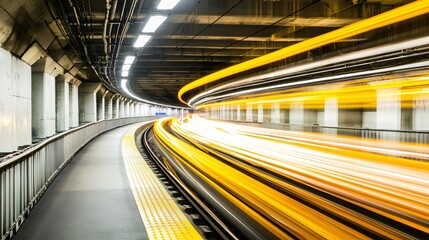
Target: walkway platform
92, 197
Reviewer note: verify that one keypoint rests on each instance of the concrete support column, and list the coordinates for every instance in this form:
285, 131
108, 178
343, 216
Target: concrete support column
213, 112
388, 112
388, 109
249, 113
232, 113
127, 108
421, 113
275, 113
141, 112
122, 107
151, 110
330, 115
146, 109
140, 109
299, 115
15, 103
224, 113
101, 105
74, 102
132, 109
44, 71
260, 113
116, 105
228, 112
62, 103
88, 102
284, 115
137, 109
109, 106
238, 113
333, 116
43, 105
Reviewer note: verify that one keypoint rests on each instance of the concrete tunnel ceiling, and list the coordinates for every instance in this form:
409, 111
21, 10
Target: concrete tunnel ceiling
199, 37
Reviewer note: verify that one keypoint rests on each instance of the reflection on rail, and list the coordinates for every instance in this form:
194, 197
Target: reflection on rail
302, 185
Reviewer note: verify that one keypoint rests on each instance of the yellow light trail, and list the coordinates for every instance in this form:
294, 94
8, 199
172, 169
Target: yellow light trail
343, 167
396, 15
357, 94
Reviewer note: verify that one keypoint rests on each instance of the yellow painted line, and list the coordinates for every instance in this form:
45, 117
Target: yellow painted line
161, 216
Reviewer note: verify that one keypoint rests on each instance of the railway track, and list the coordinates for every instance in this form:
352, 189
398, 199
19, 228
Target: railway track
206, 221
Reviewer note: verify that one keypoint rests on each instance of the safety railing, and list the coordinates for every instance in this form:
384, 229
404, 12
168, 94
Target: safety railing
25, 176
382, 134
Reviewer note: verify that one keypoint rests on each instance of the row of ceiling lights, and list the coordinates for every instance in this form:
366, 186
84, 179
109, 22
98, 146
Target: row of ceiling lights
151, 26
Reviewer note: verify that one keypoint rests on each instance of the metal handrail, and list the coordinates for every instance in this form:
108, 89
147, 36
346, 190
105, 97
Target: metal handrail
25, 175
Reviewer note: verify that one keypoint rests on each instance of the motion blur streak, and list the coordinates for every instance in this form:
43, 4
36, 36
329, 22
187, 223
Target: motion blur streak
308, 185
398, 14
352, 94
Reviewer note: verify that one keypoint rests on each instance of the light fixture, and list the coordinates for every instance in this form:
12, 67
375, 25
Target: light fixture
126, 67
153, 23
142, 40
124, 73
129, 60
123, 82
167, 4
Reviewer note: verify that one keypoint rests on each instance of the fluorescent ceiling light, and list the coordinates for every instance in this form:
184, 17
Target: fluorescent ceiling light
142, 40
167, 4
123, 82
126, 67
153, 24
129, 60
124, 73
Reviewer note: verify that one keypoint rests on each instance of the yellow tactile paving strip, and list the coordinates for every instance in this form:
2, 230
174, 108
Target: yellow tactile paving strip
162, 218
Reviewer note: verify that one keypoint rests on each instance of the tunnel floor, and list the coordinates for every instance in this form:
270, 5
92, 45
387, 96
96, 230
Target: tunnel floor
90, 199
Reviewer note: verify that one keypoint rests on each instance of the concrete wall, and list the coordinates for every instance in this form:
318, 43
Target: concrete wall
15, 102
